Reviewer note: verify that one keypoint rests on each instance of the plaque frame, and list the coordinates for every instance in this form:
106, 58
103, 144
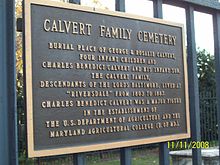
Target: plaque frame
29, 93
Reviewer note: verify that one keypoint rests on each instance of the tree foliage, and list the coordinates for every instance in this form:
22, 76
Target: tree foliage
96, 4
19, 56
206, 69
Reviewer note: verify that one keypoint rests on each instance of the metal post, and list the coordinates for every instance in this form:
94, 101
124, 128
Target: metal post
163, 151
125, 153
125, 156
193, 84
75, 1
78, 159
120, 5
216, 27
158, 11
8, 118
164, 157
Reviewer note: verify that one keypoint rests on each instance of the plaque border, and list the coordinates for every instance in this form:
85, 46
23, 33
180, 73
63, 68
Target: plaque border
29, 93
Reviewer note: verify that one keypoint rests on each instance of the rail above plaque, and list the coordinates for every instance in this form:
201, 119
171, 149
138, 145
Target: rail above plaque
99, 80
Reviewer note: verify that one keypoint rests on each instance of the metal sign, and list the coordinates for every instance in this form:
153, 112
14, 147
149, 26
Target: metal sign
99, 80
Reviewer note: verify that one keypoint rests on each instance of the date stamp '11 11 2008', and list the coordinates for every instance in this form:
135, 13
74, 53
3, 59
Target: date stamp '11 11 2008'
188, 145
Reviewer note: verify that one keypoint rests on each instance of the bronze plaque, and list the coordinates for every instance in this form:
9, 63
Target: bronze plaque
99, 80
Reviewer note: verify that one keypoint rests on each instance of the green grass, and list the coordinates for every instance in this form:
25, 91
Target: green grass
148, 160
24, 161
109, 162
139, 157
144, 157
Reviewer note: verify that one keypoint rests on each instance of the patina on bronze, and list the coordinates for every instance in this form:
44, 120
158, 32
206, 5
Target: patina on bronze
99, 80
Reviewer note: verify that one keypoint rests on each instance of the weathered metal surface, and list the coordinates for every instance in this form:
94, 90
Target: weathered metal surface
8, 114
193, 80
96, 81
216, 27
208, 5
163, 147
213, 4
